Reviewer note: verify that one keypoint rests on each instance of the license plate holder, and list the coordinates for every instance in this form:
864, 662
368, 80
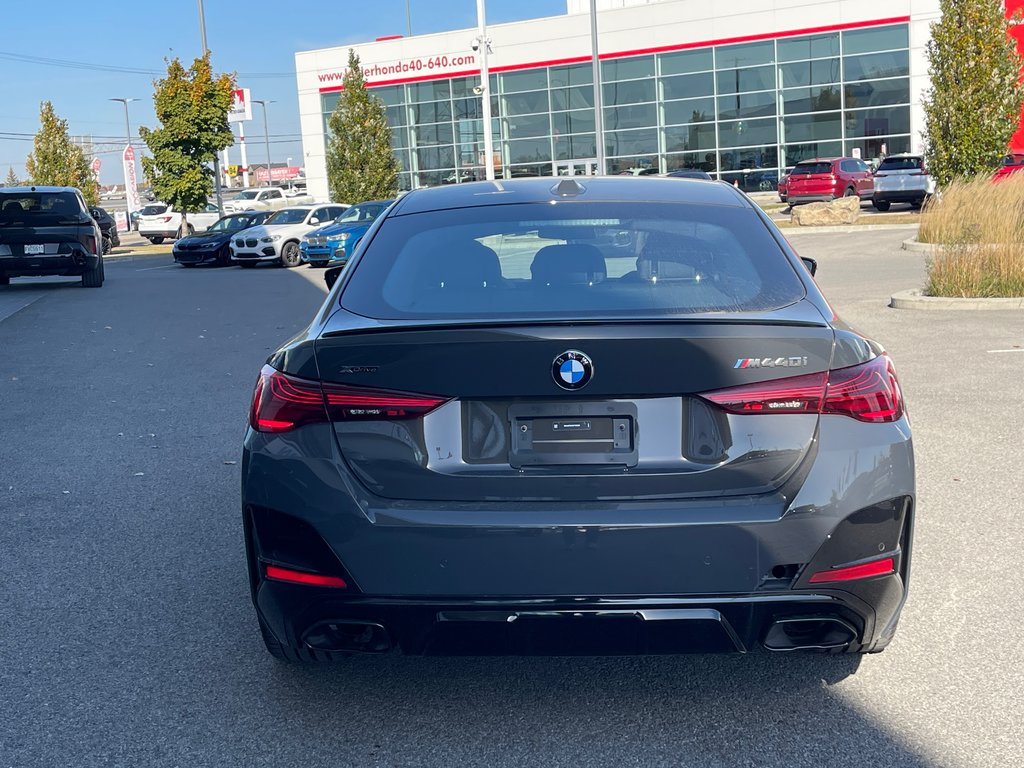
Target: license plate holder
587, 433
35, 249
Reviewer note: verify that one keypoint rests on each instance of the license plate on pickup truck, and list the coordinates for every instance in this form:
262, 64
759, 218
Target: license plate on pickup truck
35, 249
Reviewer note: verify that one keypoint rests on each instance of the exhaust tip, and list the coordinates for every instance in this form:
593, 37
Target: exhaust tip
348, 636
809, 633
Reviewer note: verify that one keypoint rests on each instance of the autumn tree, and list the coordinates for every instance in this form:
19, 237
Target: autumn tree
56, 161
974, 104
12, 179
192, 107
361, 164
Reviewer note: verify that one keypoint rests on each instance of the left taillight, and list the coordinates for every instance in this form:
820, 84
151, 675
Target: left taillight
90, 243
867, 392
281, 403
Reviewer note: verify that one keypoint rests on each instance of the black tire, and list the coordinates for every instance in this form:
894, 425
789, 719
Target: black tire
94, 277
290, 254
881, 205
107, 245
223, 258
916, 204
246, 264
283, 652
5, 280
850, 192
155, 240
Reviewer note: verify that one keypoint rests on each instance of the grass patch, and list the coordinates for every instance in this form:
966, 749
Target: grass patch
980, 226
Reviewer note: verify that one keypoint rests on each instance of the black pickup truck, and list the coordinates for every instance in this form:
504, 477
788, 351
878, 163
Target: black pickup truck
48, 231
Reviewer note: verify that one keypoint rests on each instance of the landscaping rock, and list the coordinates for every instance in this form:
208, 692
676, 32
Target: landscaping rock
843, 210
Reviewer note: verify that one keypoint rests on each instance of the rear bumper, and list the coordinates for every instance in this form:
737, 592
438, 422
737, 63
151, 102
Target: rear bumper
424, 571
165, 233
804, 198
823, 621
899, 195
40, 266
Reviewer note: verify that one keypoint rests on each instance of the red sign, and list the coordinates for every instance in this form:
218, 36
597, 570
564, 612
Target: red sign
129, 154
277, 174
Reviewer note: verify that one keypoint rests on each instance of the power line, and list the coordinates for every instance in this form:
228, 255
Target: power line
85, 65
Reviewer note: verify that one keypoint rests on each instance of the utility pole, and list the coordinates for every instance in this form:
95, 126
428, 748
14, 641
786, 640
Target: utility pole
216, 160
266, 135
408, 19
483, 45
598, 93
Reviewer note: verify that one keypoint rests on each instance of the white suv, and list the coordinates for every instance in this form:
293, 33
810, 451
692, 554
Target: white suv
901, 179
159, 221
277, 239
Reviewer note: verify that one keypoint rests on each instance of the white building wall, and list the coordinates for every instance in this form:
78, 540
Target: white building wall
639, 27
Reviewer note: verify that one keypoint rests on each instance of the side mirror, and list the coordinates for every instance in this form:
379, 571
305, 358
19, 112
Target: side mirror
331, 276
811, 264
314, 220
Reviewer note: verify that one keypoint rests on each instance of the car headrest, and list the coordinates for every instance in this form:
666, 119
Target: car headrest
570, 264
671, 257
466, 265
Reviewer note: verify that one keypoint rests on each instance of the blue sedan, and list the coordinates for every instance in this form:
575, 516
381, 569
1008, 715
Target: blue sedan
331, 245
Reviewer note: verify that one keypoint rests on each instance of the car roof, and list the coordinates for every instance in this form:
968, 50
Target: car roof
903, 154
38, 188
549, 188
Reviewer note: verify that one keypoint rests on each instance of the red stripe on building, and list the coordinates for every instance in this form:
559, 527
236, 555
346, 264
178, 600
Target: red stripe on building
644, 51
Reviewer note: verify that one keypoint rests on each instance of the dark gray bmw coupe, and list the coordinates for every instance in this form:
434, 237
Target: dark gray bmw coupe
577, 416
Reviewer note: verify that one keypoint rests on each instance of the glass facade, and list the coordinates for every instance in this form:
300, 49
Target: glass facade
742, 112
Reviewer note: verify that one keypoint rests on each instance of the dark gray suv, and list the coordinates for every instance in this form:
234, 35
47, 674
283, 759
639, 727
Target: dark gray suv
48, 231
608, 415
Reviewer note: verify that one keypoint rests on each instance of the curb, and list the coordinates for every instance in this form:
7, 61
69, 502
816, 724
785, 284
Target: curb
133, 256
916, 300
849, 228
913, 245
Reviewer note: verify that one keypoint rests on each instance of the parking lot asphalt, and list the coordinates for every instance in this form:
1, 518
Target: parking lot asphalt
129, 640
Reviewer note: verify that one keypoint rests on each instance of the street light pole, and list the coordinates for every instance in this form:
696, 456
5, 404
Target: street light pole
266, 134
216, 160
131, 192
598, 93
483, 45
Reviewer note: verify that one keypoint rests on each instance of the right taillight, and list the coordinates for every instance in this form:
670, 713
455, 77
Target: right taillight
866, 392
282, 403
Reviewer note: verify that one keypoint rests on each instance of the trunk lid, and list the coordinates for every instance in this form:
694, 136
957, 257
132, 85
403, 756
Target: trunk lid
636, 430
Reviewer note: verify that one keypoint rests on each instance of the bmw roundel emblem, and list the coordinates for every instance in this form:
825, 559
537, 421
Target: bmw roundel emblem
572, 369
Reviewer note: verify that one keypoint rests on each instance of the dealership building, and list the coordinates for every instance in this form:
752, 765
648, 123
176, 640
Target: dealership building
742, 90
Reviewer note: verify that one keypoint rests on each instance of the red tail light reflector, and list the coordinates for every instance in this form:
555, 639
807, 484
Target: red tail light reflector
876, 568
866, 392
277, 573
281, 403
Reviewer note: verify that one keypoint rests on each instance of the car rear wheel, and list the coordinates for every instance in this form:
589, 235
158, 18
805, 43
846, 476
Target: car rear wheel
107, 245
881, 205
5, 280
155, 240
850, 192
94, 277
290, 256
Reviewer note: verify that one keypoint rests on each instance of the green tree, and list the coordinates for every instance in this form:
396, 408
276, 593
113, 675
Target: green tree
360, 162
974, 104
12, 178
56, 161
192, 107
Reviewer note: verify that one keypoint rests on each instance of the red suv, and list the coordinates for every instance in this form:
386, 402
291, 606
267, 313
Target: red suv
825, 179
1010, 165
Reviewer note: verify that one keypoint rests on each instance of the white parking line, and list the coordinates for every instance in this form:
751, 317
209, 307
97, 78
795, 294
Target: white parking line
148, 269
997, 351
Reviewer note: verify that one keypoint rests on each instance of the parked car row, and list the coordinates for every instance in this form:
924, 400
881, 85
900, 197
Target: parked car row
899, 178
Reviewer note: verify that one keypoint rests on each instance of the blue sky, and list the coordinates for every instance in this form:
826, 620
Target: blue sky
257, 36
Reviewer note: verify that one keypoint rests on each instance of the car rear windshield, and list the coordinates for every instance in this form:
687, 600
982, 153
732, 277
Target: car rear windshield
571, 260
808, 168
901, 164
154, 210
41, 209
